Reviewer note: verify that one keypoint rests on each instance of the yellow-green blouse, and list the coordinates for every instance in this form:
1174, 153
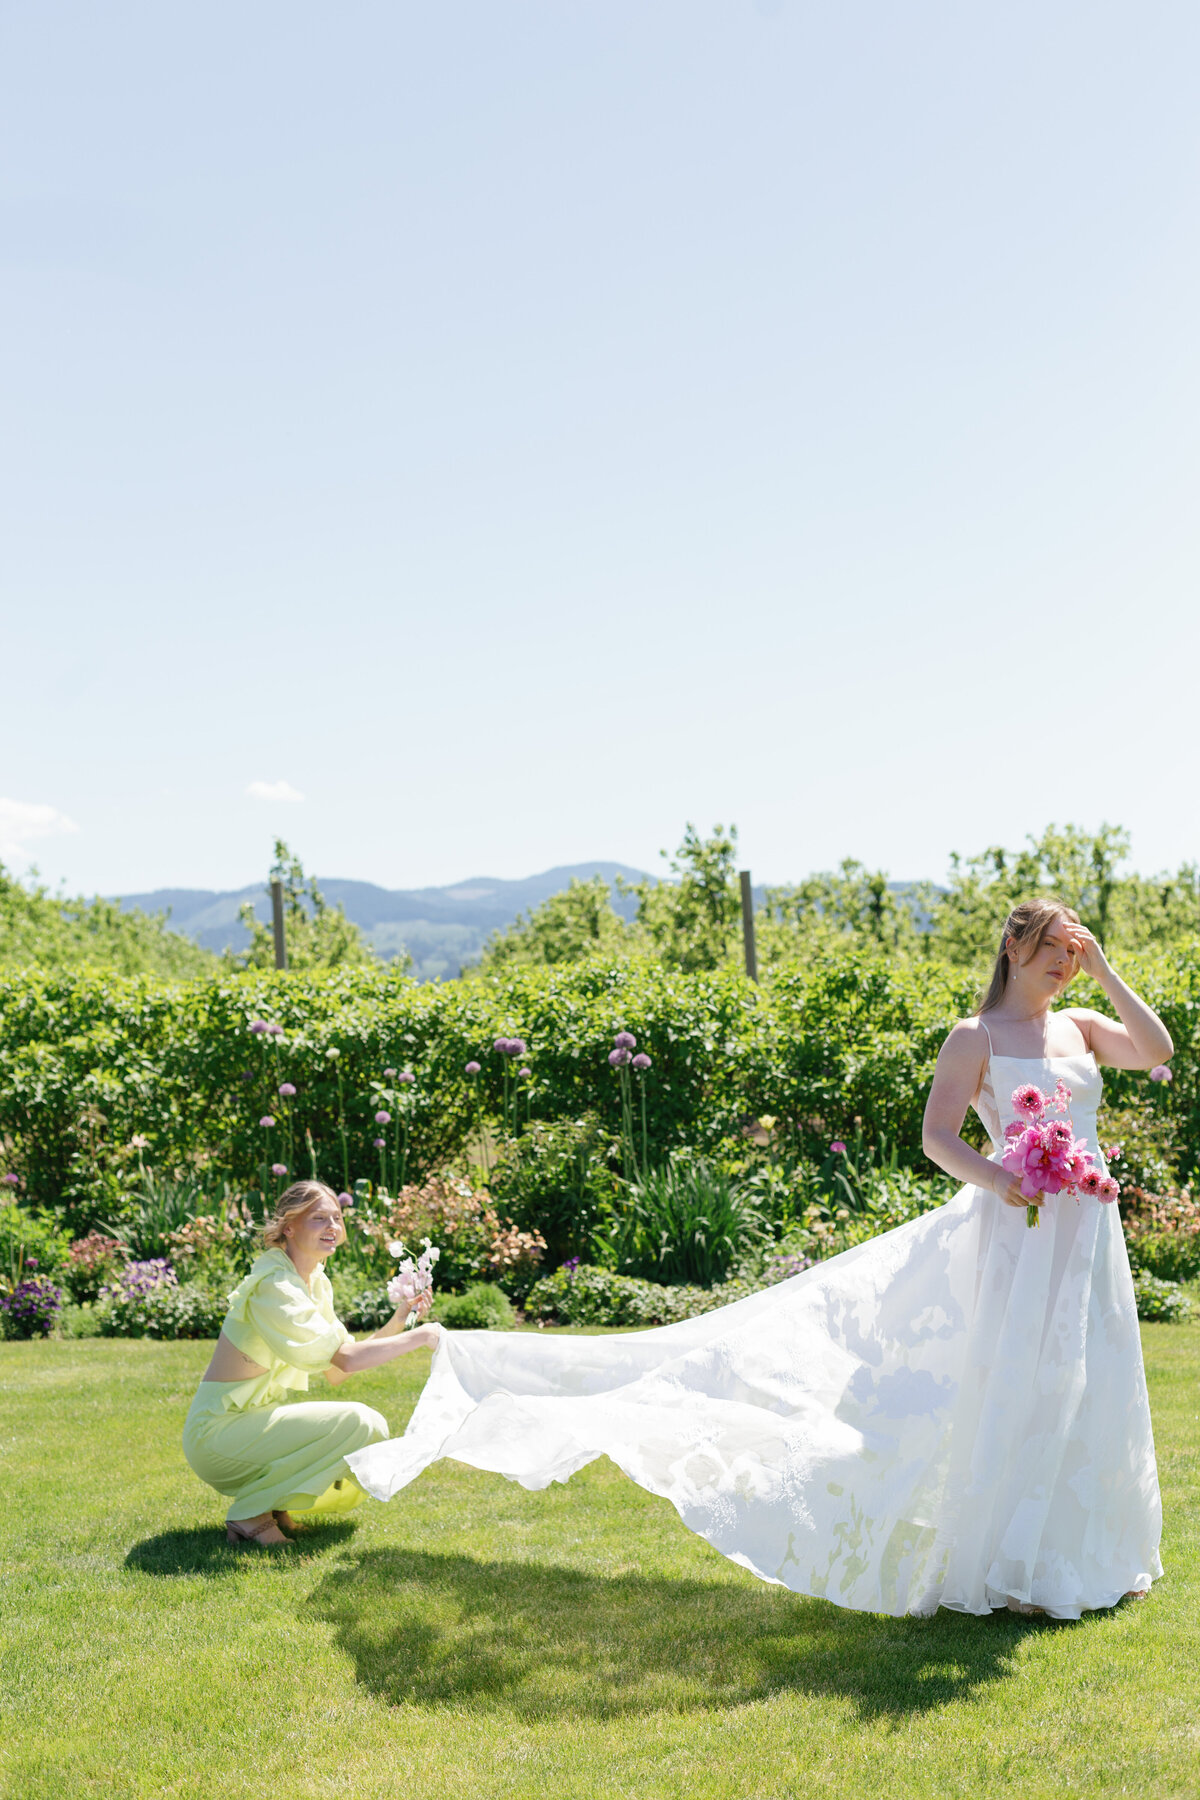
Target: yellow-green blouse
284, 1323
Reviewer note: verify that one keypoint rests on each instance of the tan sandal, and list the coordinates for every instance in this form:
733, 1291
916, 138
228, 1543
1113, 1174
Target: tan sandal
286, 1522
266, 1532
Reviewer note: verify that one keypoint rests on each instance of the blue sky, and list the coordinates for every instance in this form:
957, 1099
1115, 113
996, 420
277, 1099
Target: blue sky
520, 427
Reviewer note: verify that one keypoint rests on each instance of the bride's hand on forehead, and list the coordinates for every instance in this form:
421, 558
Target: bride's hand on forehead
1084, 948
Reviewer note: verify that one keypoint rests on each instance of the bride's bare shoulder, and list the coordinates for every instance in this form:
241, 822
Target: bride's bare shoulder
966, 1044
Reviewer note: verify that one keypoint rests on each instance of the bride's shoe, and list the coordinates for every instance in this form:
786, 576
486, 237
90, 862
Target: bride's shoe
245, 1531
285, 1521
1024, 1608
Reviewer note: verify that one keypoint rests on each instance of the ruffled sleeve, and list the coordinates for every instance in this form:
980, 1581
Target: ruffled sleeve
272, 1310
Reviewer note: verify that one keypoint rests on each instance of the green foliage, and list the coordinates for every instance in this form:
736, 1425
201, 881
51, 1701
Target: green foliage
589, 1295
1164, 1301
557, 1178
30, 1243
318, 936
691, 923
43, 930
1126, 912
89, 1062
565, 928
685, 1223
855, 906
193, 1309
1162, 1232
360, 1308
159, 1206
480, 1307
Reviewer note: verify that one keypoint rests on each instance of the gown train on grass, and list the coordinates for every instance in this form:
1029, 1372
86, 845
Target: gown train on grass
953, 1414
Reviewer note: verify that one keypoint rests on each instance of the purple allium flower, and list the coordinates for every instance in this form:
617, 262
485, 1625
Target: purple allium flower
246, 1075
389, 1074
837, 1147
383, 1118
641, 1060
618, 1058
258, 1026
406, 1076
625, 1040
472, 1068
275, 1030
518, 1047
279, 1168
1160, 1072
379, 1143
286, 1089
344, 1200
11, 1180
524, 1074
501, 1044
31, 1262
266, 1121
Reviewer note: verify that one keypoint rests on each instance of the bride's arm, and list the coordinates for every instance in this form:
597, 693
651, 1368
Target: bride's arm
1141, 1040
961, 1063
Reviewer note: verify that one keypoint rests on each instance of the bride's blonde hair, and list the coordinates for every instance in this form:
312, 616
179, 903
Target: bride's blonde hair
291, 1205
1027, 925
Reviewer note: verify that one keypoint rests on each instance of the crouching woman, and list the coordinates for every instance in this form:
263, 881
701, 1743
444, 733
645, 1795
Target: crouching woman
269, 1458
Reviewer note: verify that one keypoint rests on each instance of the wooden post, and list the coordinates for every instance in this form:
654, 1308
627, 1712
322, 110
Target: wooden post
277, 922
748, 926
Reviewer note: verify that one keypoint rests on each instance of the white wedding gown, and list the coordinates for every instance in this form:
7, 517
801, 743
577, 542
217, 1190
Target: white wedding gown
952, 1414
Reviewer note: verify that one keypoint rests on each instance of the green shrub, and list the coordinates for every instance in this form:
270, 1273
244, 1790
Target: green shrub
1164, 1301
1162, 1232
359, 1308
146, 1300
557, 1178
89, 1062
92, 1262
481, 1307
585, 1295
30, 1244
686, 1223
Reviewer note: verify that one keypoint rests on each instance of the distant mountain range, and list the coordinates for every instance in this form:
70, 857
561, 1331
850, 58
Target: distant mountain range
442, 928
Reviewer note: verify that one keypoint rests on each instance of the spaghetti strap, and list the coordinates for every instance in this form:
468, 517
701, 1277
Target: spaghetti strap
988, 1035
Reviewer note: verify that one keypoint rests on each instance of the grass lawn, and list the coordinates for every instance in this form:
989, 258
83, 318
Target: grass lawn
470, 1639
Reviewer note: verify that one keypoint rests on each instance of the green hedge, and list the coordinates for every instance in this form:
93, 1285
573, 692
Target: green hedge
89, 1060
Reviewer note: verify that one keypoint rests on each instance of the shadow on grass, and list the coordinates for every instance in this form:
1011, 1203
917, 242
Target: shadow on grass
538, 1640
204, 1550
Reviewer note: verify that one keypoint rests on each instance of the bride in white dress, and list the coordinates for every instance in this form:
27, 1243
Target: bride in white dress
953, 1414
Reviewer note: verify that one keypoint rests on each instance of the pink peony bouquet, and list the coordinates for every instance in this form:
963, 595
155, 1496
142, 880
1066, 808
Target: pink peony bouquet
413, 1281
1045, 1152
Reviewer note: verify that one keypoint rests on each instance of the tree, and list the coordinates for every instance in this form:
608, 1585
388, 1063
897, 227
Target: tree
1075, 866
691, 922
318, 936
43, 930
569, 925
855, 906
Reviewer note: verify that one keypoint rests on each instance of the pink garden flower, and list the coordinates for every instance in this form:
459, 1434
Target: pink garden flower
1029, 1100
1091, 1182
838, 1148
1108, 1191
